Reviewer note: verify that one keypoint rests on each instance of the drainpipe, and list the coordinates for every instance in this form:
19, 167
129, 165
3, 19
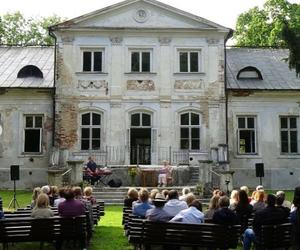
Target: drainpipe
228, 36
54, 84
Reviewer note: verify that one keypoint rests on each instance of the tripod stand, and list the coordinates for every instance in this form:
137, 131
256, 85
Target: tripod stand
14, 201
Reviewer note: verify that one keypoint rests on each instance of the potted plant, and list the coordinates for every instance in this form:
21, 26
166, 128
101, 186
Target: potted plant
132, 172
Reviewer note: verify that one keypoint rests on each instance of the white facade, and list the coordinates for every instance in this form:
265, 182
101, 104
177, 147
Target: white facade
162, 91
281, 168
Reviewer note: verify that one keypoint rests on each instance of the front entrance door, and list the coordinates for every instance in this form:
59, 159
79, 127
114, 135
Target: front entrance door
140, 139
140, 146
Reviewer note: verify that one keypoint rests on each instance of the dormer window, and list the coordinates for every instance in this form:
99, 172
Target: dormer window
30, 71
249, 73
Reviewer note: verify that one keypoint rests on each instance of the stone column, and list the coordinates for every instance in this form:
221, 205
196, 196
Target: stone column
76, 172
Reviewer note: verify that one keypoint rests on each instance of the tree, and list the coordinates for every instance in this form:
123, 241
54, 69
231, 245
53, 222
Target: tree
277, 24
15, 29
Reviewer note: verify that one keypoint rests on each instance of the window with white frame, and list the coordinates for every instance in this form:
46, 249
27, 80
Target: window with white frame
90, 131
246, 135
189, 61
141, 60
190, 131
289, 134
33, 133
92, 60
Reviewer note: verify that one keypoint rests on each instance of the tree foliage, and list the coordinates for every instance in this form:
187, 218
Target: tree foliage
15, 29
277, 24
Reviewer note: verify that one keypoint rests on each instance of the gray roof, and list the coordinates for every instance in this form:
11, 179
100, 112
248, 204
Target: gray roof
13, 59
270, 62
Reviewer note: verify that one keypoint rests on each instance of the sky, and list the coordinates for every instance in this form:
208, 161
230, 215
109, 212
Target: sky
224, 12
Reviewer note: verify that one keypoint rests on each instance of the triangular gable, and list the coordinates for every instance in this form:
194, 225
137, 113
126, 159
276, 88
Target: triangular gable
139, 14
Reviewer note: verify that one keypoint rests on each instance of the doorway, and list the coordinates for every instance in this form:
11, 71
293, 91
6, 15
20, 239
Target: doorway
140, 139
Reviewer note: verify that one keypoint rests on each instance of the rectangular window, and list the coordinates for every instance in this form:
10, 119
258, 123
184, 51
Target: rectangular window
190, 131
90, 131
247, 135
92, 61
33, 133
189, 61
289, 134
140, 61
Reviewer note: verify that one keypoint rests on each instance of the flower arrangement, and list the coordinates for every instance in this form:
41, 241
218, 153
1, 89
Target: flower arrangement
133, 172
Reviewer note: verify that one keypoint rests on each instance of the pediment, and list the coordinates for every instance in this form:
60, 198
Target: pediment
139, 14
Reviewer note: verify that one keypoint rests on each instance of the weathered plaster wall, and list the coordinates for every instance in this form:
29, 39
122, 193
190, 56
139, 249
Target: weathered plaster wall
281, 171
164, 93
14, 104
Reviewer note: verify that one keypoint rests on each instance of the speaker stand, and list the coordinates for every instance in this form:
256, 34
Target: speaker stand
14, 201
260, 181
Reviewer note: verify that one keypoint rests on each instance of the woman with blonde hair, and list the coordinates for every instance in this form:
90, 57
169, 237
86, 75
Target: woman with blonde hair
88, 195
233, 199
132, 195
259, 201
42, 210
35, 193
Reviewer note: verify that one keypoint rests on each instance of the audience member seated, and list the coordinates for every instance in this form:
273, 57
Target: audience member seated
279, 205
295, 218
42, 210
286, 203
45, 189
233, 199
212, 207
191, 215
174, 206
165, 192
190, 198
163, 174
140, 207
1, 215
132, 195
270, 215
53, 195
158, 213
243, 210
152, 194
246, 189
259, 187
35, 194
224, 215
60, 197
70, 207
185, 192
259, 201
88, 195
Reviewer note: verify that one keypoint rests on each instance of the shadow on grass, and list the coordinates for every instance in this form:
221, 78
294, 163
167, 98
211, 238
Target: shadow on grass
108, 238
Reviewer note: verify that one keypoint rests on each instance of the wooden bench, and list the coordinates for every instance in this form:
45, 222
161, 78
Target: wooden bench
169, 234
56, 229
274, 236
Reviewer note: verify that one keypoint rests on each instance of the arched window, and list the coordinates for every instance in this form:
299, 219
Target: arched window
249, 73
190, 131
30, 71
90, 131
